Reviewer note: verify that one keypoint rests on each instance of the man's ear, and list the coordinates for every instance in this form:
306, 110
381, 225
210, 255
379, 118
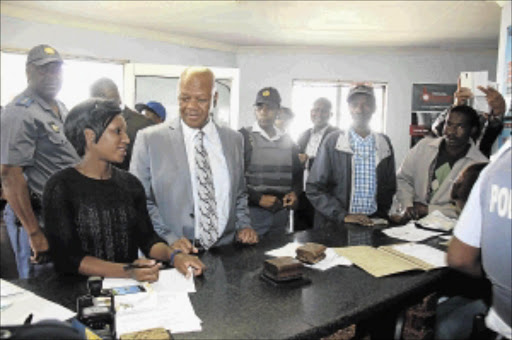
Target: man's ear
28, 73
90, 137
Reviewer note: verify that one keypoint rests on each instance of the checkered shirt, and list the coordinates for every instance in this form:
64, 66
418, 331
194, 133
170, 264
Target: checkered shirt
365, 175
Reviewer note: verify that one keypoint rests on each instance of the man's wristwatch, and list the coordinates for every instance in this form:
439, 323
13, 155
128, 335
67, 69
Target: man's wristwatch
173, 255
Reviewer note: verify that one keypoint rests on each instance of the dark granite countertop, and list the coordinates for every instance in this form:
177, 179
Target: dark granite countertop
233, 302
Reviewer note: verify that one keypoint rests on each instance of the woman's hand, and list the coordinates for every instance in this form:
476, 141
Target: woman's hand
145, 270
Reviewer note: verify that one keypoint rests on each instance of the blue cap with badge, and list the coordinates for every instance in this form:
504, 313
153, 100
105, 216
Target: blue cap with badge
42, 55
269, 96
156, 107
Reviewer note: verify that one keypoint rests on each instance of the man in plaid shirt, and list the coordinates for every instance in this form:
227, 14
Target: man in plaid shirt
353, 177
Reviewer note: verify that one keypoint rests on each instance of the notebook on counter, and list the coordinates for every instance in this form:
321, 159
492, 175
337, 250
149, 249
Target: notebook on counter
388, 260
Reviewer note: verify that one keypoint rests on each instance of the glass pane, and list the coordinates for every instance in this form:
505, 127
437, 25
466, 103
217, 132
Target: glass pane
164, 90
160, 89
14, 80
79, 75
222, 111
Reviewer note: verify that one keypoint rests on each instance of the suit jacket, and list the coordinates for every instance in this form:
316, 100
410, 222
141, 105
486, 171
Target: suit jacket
160, 162
303, 140
134, 122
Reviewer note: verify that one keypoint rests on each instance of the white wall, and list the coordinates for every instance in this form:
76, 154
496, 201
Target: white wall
17, 33
399, 69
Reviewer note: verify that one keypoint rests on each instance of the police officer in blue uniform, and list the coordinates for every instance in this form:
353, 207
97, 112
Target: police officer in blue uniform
482, 242
33, 147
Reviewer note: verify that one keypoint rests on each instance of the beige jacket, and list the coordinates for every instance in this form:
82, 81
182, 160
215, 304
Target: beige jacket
413, 176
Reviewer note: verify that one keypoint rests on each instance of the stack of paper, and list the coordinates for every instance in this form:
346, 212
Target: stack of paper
332, 259
173, 312
17, 304
286, 250
437, 220
165, 304
410, 232
434, 257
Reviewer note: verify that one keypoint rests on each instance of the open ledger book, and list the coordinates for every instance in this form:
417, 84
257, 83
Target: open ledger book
387, 260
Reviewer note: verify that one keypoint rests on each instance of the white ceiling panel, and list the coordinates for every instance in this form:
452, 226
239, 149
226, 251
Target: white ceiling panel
243, 24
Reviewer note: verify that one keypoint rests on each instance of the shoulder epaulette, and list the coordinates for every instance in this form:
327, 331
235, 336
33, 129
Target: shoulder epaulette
25, 101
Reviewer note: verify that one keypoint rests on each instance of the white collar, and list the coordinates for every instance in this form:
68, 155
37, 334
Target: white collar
257, 128
190, 133
319, 132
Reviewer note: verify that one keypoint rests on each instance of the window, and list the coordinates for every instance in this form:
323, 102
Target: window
305, 92
78, 76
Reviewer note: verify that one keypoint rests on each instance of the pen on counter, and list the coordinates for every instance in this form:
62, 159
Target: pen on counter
28, 320
130, 266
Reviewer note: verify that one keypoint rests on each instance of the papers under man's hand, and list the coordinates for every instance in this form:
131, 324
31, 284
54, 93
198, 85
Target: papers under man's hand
182, 262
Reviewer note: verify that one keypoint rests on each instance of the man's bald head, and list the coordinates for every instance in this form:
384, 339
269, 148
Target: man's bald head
107, 89
321, 113
198, 72
196, 95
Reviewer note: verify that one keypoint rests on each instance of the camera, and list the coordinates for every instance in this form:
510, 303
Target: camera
96, 310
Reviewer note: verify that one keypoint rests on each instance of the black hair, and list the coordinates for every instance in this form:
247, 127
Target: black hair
471, 116
102, 85
325, 101
464, 183
95, 114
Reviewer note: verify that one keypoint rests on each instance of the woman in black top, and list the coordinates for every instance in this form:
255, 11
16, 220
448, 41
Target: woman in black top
95, 214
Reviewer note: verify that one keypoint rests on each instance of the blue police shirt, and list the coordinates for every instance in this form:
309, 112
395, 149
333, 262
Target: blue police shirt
32, 137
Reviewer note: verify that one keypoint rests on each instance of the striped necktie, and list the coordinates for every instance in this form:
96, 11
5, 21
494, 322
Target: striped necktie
208, 220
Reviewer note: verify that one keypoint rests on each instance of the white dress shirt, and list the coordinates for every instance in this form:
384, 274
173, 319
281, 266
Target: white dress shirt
312, 149
220, 171
314, 141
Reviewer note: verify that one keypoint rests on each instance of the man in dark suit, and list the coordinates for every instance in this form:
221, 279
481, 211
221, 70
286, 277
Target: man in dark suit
192, 171
308, 142
107, 89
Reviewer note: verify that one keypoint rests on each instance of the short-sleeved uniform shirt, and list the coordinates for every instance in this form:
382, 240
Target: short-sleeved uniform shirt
486, 223
32, 137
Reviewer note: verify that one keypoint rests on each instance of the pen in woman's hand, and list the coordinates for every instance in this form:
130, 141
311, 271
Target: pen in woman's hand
130, 266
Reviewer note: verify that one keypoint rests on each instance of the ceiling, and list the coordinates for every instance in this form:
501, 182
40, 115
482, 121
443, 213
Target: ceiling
235, 25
